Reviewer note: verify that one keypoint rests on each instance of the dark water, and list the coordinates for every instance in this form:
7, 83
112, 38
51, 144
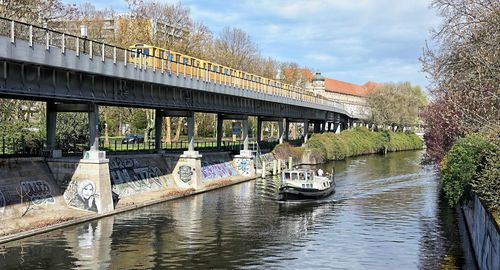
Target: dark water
386, 214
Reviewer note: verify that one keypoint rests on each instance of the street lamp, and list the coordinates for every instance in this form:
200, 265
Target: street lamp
84, 34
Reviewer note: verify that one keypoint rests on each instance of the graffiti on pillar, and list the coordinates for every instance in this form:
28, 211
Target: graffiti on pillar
3, 202
128, 176
82, 195
38, 192
217, 169
243, 166
185, 173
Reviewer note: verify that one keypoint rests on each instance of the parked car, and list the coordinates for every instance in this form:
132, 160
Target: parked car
133, 138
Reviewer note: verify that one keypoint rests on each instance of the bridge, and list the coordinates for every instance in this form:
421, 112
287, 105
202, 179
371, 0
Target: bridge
74, 74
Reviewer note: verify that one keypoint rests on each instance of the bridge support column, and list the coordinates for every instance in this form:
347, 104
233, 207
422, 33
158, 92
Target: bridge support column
220, 121
94, 126
317, 127
306, 130
187, 171
244, 161
51, 114
190, 126
259, 130
287, 129
158, 130
283, 130
336, 123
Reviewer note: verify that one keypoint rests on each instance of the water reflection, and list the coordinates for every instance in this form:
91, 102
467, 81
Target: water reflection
386, 213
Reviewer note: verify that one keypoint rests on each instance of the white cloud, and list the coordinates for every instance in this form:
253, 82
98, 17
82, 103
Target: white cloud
349, 40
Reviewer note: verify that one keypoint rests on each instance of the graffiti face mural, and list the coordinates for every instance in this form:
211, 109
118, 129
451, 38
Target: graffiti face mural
185, 173
243, 167
38, 192
82, 195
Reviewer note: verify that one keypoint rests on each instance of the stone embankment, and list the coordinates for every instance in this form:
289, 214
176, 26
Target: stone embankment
483, 232
39, 194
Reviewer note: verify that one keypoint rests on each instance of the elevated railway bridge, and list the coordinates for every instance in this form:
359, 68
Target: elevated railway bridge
75, 74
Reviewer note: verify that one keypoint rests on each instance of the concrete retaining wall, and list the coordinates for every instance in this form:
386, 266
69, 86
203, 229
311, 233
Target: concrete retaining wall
484, 234
27, 187
139, 173
216, 166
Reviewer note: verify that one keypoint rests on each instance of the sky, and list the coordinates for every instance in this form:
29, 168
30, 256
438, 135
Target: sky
353, 41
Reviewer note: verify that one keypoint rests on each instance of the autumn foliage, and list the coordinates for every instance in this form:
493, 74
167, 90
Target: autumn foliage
465, 73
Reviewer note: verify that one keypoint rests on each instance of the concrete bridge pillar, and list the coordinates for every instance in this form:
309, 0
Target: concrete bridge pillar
51, 115
244, 162
259, 129
281, 130
317, 127
190, 126
220, 121
287, 129
306, 130
244, 123
187, 171
94, 126
158, 129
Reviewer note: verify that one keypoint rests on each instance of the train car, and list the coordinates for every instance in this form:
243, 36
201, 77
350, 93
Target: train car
148, 56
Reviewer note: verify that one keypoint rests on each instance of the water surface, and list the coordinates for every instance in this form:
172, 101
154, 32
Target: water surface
385, 214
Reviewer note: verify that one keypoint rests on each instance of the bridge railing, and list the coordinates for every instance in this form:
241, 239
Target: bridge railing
96, 50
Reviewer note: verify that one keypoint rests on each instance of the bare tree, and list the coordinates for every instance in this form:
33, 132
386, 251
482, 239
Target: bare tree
464, 68
234, 48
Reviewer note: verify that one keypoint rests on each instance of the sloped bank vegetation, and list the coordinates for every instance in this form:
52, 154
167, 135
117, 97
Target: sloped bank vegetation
354, 142
473, 164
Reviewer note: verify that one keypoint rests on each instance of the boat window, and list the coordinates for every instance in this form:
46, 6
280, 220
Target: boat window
302, 176
295, 176
303, 185
287, 176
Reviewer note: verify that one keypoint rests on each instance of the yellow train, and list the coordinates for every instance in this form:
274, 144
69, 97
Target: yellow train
148, 56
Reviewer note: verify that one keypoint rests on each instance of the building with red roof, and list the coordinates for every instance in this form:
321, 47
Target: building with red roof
350, 94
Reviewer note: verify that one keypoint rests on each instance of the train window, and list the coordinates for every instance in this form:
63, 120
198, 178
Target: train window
186, 60
133, 53
146, 51
161, 54
178, 58
226, 71
215, 68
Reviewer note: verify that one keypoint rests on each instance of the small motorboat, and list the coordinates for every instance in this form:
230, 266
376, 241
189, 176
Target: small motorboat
304, 184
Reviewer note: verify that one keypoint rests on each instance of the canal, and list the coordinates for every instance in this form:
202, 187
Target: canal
386, 214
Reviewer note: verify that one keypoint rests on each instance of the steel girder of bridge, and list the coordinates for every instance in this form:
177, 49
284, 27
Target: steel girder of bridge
31, 71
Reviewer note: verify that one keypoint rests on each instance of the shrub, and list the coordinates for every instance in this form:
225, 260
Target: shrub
358, 141
461, 165
487, 185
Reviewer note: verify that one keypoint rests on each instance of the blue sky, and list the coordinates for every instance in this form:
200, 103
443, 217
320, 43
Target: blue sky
354, 41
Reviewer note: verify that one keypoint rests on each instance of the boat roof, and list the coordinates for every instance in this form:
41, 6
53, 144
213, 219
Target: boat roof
297, 170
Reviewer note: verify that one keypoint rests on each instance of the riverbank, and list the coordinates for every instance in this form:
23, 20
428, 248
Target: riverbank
329, 146
44, 194
46, 221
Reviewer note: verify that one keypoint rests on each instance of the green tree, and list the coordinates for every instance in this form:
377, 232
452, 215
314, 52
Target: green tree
139, 121
396, 104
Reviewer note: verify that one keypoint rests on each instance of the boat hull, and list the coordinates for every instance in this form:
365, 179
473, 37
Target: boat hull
287, 193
